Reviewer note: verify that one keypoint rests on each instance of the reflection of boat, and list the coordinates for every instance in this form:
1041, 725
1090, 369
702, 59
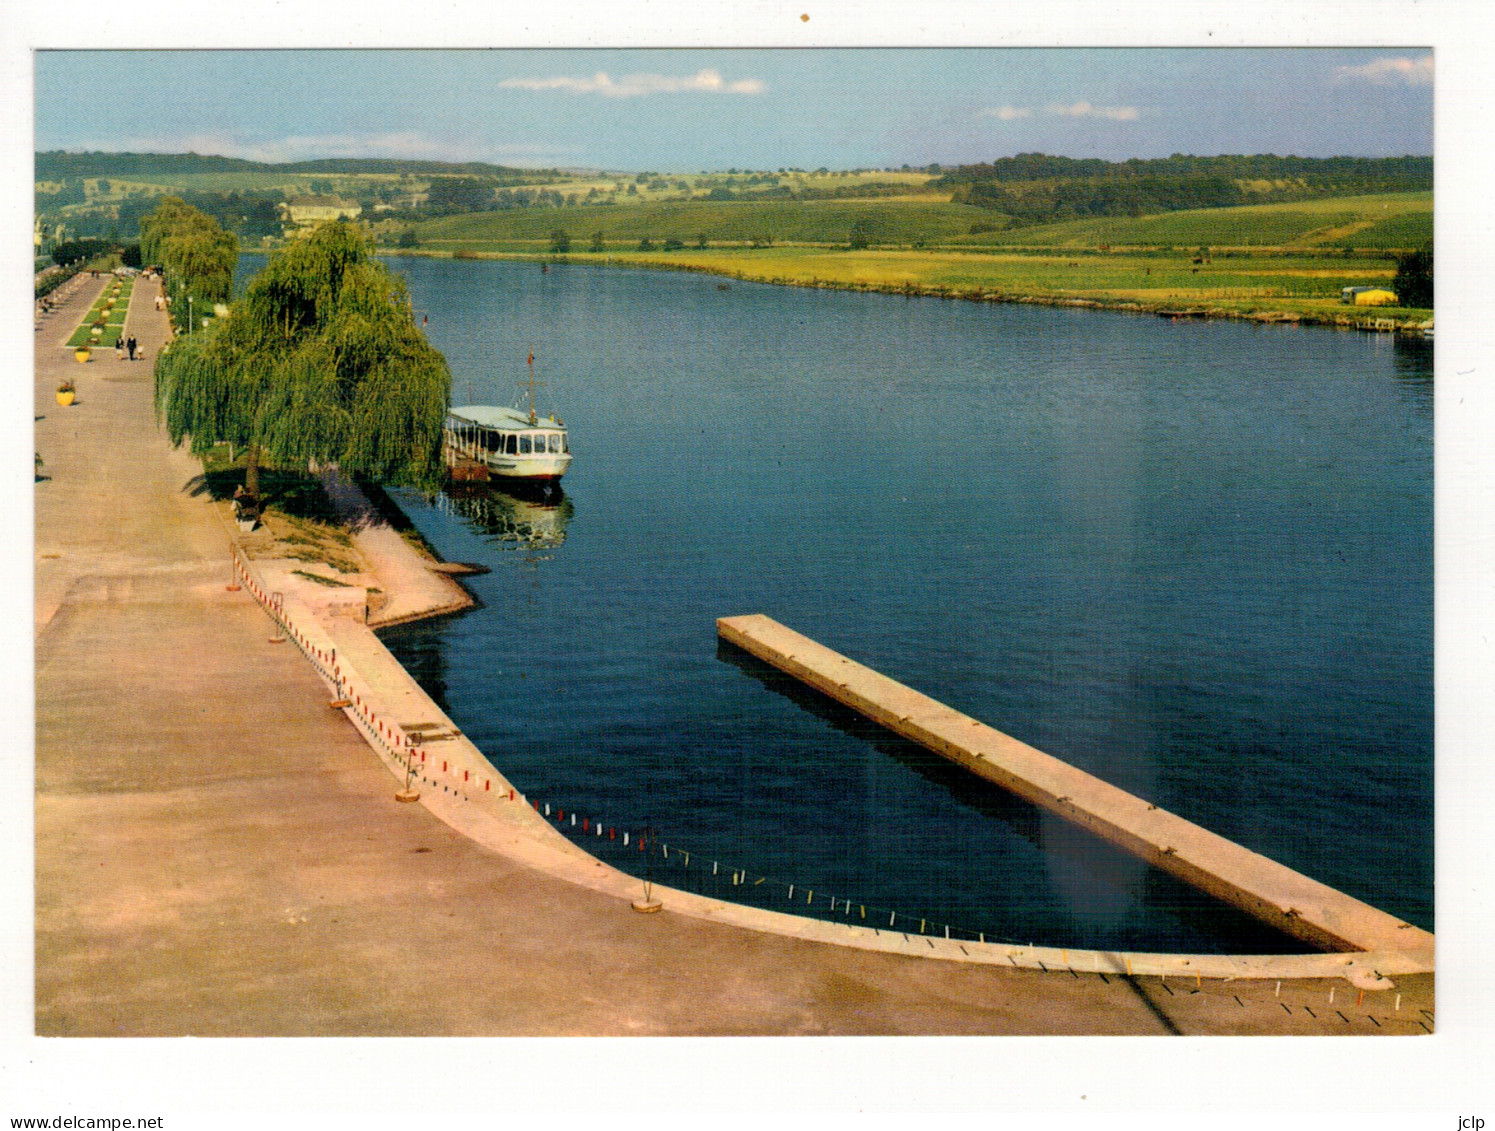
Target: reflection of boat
482, 442
508, 517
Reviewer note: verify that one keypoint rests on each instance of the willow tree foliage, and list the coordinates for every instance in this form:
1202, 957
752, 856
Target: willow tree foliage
320, 360
198, 256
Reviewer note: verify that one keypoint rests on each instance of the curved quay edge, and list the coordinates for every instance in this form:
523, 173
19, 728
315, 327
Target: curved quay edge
471, 796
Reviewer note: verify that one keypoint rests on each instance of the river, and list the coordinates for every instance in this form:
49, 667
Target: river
1194, 559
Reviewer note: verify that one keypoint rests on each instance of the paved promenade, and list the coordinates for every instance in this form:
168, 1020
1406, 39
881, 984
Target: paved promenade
218, 853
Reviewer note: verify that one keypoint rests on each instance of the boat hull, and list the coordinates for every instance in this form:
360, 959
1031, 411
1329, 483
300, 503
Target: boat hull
549, 468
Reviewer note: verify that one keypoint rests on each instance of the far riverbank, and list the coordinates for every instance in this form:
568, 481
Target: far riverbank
1243, 289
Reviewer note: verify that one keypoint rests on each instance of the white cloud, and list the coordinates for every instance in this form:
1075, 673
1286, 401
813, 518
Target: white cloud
1085, 110
1008, 113
1385, 70
702, 82
1073, 110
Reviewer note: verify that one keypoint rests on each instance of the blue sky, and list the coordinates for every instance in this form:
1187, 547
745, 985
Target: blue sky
684, 110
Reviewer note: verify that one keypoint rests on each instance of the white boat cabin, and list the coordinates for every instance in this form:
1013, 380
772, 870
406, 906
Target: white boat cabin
508, 442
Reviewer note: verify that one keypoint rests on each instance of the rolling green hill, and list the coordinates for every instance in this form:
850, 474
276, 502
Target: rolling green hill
781, 220
1388, 221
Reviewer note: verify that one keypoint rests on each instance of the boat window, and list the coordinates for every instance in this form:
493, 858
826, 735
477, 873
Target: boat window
513, 441
492, 441
524, 445
565, 443
555, 442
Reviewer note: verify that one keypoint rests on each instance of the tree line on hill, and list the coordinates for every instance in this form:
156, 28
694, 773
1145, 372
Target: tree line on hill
1036, 188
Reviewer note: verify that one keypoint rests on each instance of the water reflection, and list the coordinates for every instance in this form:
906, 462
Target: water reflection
508, 517
1413, 358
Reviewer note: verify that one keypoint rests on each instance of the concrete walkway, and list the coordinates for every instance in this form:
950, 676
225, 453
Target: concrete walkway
219, 853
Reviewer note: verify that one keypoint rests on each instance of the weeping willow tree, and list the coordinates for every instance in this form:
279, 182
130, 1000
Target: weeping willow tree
320, 360
198, 256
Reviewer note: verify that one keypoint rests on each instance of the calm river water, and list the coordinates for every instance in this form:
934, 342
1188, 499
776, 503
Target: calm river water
1194, 559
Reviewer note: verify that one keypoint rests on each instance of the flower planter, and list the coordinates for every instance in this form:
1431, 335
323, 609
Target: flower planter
81, 353
66, 396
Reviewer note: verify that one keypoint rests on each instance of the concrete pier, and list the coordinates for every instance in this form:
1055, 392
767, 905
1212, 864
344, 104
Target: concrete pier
1291, 902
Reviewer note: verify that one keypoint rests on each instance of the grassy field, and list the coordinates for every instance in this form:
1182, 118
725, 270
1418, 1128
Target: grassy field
1387, 222
890, 220
1288, 260
1393, 220
1305, 287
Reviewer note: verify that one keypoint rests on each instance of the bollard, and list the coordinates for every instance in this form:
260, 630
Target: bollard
1278, 991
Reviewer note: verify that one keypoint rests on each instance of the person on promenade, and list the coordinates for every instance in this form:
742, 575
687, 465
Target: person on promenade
130, 345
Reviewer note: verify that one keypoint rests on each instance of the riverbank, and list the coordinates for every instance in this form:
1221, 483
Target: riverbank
1244, 287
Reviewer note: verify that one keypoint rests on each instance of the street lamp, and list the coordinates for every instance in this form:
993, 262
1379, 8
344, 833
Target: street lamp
189, 314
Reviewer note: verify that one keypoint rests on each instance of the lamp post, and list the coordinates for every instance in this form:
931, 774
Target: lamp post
189, 314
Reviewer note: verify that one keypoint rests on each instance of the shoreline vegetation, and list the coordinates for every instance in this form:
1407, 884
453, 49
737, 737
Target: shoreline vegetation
1052, 280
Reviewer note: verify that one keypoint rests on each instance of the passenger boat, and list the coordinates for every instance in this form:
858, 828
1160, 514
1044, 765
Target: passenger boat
481, 442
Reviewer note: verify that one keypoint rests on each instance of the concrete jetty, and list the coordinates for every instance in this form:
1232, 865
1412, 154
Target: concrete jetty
1291, 902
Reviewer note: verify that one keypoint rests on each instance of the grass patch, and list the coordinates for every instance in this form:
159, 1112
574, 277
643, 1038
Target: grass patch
114, 319
1152, 281
320, 580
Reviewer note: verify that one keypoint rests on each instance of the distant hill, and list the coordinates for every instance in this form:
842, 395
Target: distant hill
1035, 188
57, 165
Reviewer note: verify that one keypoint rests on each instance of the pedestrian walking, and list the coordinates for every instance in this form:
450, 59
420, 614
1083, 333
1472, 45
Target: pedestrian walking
130, 345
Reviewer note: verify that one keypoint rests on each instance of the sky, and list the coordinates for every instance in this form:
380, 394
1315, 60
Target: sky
689, 110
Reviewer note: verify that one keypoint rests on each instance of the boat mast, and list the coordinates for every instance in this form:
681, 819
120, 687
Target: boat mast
533, 419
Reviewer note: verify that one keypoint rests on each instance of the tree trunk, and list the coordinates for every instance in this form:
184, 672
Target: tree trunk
252, 472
